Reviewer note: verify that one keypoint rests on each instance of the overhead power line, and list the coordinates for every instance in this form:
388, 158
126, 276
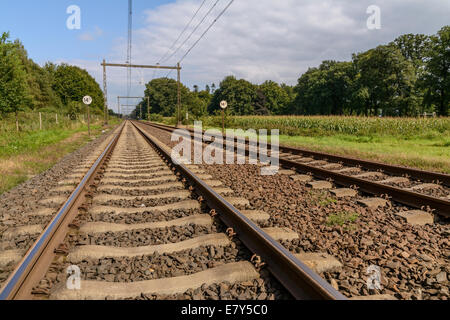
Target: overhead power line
193, 31
184, 30
206, 31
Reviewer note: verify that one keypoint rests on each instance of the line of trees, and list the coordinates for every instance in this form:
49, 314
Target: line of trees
26, 86
243, 97
406, 77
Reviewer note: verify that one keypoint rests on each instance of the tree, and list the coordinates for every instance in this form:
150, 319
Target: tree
163, 96
389, 80
277, 98
304, 93
13, 77
405, 77
39, 82
436, 79
240, 95
200, 103
261, 103
163, 99
337, 81
325, 90
25, 85
414, 48
72, 83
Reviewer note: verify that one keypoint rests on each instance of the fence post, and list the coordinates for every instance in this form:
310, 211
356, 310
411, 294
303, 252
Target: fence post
56, 118
40, 121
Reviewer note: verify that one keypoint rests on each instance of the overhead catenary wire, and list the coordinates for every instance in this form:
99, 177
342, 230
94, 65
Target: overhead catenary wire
179, 37
182, 32
204, 33
193, 31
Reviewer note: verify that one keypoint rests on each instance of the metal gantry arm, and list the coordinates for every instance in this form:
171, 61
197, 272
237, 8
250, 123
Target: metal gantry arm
148, 104
128, 65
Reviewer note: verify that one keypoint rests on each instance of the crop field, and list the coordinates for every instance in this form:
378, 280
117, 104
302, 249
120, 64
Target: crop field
358, 126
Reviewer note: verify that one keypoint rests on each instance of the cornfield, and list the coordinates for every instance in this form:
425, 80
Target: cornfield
323, 126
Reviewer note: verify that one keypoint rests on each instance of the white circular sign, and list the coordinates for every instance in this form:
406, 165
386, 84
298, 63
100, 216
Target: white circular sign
223, 104
87, 100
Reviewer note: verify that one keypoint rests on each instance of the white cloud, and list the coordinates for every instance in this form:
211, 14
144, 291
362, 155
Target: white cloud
91, 36
262, 39
266, 39
86, 37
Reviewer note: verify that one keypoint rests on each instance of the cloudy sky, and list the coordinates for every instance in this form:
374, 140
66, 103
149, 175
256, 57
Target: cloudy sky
254, 39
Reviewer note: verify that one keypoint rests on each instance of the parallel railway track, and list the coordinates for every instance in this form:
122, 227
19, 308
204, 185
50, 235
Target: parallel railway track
401, 184
135, 209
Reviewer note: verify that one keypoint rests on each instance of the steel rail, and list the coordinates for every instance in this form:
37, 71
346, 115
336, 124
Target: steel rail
426, 176
296, 277
34, 265
410, 198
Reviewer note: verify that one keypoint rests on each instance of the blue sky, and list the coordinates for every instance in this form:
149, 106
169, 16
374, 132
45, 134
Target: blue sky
41, 26
256, 40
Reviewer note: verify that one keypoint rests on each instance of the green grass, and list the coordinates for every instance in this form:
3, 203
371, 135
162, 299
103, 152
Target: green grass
342, 218
420, 143
427, 154
31, 151
327, 201
9, 182
29, 142
321, 198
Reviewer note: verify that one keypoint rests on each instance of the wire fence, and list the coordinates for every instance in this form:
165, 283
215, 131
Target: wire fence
34, 121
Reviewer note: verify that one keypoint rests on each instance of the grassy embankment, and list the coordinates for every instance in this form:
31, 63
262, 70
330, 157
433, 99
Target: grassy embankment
413, 142
31, 151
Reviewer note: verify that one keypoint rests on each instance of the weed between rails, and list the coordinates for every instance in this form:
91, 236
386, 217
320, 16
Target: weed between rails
343, 219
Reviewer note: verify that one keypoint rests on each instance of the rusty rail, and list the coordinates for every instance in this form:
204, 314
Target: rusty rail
426, 176
410, 198
296, 277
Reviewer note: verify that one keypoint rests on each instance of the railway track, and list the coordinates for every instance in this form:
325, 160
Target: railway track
425, 192
139, 227
28, 209
409, 246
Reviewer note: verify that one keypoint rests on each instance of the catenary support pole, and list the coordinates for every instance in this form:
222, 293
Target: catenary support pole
105, 93
178, 94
